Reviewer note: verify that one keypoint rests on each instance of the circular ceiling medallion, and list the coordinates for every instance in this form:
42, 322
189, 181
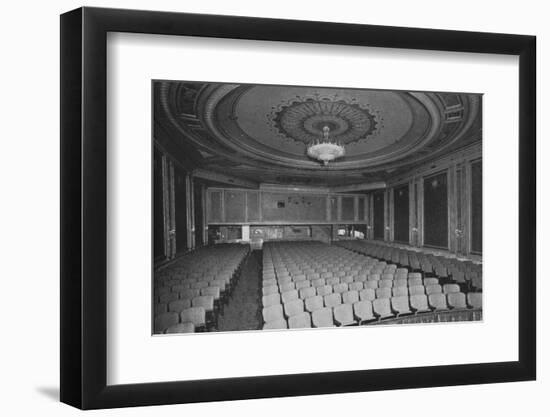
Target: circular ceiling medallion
303, 120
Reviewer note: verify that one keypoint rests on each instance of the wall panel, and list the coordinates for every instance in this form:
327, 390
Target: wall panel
378, 215
234, 203
293, 207
215, 206
436, 211
348, 208
477, 208
401, 213
252, 206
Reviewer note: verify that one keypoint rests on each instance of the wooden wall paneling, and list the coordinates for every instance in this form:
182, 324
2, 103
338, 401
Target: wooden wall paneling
204, 216
165, 207
467, 206
189, 210
476, 207
391, 214
420, 211
370, 227
412, 213
252, 206
452, 203
235, 206
172, 209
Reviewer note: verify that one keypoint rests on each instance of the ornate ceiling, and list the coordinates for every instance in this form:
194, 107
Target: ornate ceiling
260, 132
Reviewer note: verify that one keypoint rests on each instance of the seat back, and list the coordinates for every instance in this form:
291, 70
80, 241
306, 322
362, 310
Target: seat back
270, 300
363, 310
350, 297
324, 290
332, 300
456, 300
385, 284
450, 288
303, 284
417, 289
213, 291
179, 305
288, 286
271, 313
289, 296
181, 328
168, 297
475, 299
437, 301
371, 284
314, 303
340, 288
355, 286
272, 289
414, 282
383, 292
343, 314
400, 304
382, 307
161, 308
433, 289
431, 281
276, 324
299, 321
307, 292
400, 291
294, 307
164, 321
419, 302
367, 294
322, 317
206, 301
195, 315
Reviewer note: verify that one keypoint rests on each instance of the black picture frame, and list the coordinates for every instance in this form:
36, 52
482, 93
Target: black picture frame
84, 207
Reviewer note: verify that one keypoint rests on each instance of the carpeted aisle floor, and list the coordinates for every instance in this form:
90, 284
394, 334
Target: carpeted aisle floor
243, 310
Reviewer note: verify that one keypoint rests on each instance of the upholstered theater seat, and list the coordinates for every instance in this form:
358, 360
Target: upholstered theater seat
456, 300
382, 308
299, 321
165, 320
400, 305
181, 328
475, 299
419, 303
323, 317
363, 311
343, 315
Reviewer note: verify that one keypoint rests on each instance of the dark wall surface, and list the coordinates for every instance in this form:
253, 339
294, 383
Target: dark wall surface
477, 207
401, 213
436, 218
378, 215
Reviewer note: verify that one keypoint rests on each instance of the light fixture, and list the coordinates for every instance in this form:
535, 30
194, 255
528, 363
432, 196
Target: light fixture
325, 149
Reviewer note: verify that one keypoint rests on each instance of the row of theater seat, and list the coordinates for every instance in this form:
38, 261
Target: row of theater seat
445, 267
319, 312
190, 293
301, 278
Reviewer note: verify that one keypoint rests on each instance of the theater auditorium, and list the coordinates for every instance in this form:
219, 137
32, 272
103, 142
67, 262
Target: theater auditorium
297, 207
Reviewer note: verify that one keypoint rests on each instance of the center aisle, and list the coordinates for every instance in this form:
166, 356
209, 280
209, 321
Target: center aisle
243, 310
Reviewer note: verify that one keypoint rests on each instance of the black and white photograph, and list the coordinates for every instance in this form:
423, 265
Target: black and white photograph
293, 207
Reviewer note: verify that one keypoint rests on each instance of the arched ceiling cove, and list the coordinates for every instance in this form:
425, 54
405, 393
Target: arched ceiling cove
260, 132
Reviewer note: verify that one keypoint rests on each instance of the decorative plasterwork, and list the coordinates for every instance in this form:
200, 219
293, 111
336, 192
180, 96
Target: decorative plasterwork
260, 132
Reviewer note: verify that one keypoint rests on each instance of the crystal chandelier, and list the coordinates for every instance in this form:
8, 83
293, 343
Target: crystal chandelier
325, 149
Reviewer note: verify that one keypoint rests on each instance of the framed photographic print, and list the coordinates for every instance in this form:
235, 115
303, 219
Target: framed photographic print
257, 208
